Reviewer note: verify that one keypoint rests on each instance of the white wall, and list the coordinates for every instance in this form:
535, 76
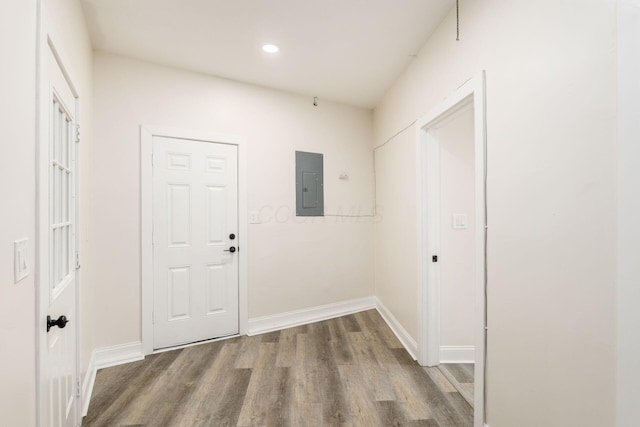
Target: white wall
457, 246
17, 157
551, 105
65, 24
17, 184
293, 263
628, 375
395, 239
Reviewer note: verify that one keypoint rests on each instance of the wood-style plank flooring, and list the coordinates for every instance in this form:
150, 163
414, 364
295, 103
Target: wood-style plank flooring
461, 377
349, 371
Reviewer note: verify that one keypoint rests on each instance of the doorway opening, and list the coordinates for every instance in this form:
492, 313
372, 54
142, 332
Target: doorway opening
470, 219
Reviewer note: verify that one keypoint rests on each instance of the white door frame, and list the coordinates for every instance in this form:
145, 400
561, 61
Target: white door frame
146, 220
45, 42
472, 92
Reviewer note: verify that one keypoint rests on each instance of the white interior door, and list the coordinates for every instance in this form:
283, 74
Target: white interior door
195, 264
58, 360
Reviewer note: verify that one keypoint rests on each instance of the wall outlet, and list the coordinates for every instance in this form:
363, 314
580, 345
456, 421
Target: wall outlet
20, 260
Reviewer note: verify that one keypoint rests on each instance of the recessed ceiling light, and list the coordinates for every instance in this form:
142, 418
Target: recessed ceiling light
270, 48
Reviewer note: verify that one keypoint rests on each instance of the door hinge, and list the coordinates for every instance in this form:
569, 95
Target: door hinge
153, 318
434, 258
77, 260
77, 133
77, 387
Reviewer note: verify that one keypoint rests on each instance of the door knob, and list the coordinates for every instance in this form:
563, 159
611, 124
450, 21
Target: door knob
60, 322
232, 249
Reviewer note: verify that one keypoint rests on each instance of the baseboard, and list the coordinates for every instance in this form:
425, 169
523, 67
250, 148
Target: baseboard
87, 383
457, 353
405, 339
118, 354
104, 358
276, 322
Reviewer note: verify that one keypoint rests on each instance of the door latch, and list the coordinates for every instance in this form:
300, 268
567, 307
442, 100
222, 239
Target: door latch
434, 258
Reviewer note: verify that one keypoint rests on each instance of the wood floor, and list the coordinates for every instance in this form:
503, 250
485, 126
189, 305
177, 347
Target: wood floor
349, 371
461, 377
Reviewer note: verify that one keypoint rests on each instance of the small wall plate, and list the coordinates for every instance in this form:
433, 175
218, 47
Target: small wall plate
459, 221
20, 260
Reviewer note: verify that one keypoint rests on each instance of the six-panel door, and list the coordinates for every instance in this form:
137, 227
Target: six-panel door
195, 210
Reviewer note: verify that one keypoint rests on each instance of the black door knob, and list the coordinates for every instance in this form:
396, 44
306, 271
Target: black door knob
60, 322
232, 249
232, 236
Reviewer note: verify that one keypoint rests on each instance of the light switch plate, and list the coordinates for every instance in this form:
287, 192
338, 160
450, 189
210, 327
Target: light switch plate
460, 221
254, 217
20, 260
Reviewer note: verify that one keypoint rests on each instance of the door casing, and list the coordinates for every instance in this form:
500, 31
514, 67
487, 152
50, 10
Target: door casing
427, 148
147, 133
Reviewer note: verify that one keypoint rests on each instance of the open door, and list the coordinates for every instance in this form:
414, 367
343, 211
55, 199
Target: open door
58, 321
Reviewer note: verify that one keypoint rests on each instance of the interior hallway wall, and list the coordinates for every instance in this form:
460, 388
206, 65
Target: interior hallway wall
551, 106
17, 186
294, 263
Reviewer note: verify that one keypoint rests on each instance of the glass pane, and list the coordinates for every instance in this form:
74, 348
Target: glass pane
57, 196
54, 199
60, 251
56, 135
65, 251
54, 258
63, 136
72, 140
59, 134
70, 255
67, 142
52, 129
65, 197
64, 139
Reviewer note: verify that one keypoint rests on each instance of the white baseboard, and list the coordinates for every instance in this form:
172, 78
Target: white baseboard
276, 322
118, 354
457, 354
407, 341
87, 383
104, 358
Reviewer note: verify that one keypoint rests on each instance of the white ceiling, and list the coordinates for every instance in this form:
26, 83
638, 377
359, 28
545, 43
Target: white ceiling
345, 50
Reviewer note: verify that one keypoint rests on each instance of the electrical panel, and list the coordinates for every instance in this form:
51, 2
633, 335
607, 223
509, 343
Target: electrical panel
309, 184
